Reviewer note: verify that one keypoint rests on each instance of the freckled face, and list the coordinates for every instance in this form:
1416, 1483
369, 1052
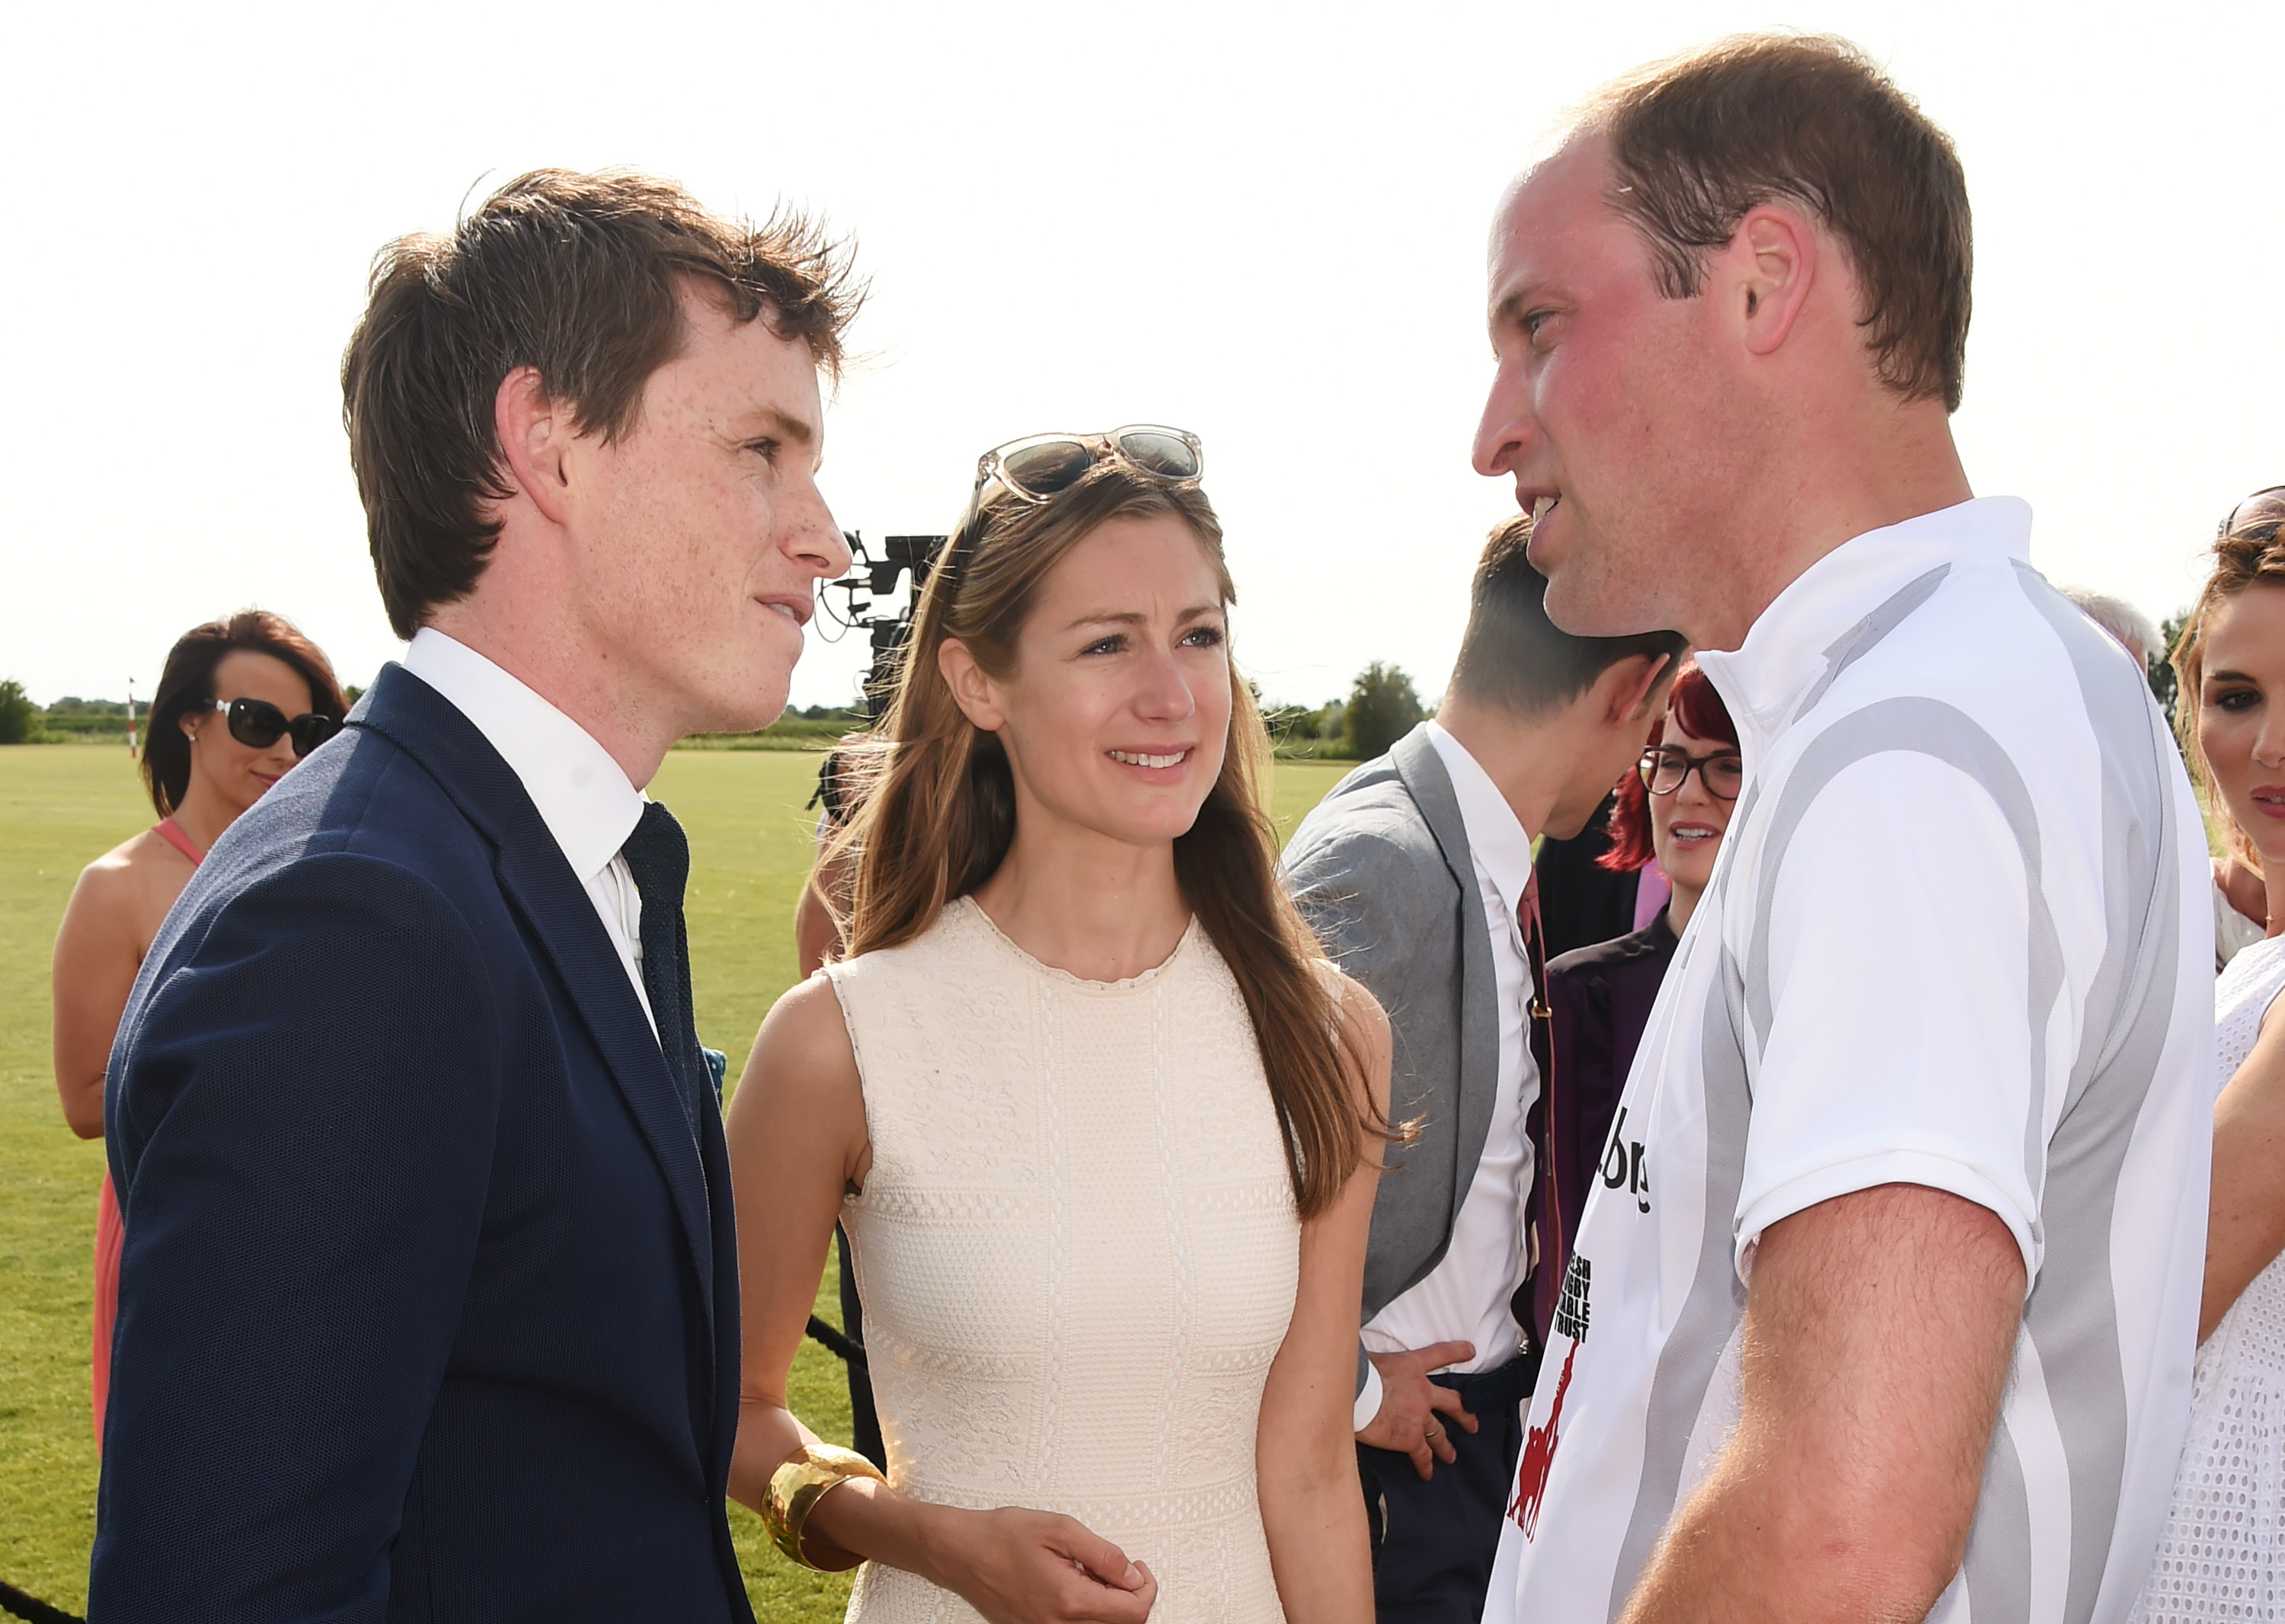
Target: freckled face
699, 552
1116, 715
2241, 713
237, 775
1686, 827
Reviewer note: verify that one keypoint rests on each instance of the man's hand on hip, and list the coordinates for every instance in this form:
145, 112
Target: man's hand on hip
1416, 1416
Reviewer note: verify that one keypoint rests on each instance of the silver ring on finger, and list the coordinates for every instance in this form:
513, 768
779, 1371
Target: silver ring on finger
1434, 1432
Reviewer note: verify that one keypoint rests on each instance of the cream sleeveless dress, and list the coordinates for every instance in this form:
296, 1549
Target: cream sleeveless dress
1077, 1251
2222, 1555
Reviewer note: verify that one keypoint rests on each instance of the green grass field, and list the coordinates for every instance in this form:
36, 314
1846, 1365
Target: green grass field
61, 805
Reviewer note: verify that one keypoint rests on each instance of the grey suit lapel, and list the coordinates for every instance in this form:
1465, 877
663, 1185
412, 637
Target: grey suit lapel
1429, 786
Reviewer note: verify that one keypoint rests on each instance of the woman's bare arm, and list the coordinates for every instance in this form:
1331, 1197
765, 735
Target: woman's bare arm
796, 1134
816, 932
797, 1144
98, 950
1306, 1452
2245, 1228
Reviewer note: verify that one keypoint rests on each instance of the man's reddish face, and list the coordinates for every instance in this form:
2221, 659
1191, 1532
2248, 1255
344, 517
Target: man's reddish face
700, 556
1605, 410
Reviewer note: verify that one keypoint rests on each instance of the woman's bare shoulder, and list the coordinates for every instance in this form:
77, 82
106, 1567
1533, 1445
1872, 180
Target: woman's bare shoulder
141, 853
131, 886
803, 1048
808, 1014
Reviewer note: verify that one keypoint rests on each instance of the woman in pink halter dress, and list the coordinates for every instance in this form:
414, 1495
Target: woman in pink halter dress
239, 701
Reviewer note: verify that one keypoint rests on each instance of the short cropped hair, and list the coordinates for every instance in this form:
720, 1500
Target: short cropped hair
1701, 139
187, 686
578, 276
1513, 656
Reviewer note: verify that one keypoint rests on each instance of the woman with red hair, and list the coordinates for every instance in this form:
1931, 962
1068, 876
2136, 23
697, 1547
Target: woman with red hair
1673, 809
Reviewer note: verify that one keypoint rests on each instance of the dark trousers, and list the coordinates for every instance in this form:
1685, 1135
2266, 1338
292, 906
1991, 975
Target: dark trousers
1432, 1543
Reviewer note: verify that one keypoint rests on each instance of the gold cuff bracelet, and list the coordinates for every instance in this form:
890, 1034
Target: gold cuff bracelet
797, 1487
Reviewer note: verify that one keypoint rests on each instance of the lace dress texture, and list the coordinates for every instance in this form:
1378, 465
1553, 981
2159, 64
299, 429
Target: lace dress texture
1079, 1253
2222, 1555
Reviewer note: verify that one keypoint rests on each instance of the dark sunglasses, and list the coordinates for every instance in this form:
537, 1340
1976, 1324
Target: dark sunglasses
1665, 769
1042, 466
257, 724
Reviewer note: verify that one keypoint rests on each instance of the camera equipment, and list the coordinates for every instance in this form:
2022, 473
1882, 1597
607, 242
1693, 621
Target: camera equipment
880, 595
872, 603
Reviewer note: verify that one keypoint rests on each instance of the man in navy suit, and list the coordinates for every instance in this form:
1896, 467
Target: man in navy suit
429, 1302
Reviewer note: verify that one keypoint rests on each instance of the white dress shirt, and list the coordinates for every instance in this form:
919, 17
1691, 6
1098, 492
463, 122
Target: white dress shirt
582, 793
1465, 1296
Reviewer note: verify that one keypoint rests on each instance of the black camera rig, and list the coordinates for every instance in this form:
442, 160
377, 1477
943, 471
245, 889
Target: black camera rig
875, 600
880, 595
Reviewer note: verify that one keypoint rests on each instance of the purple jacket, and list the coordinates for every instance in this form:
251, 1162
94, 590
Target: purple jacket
1601, 998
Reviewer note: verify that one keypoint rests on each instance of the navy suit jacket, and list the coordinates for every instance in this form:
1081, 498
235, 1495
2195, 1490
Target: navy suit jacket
429, 1308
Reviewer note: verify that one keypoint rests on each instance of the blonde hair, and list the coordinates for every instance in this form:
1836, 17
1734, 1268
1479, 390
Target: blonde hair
936, 810
2250, 552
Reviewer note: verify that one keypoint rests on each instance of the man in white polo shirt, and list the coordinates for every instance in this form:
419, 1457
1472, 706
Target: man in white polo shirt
1904, 1327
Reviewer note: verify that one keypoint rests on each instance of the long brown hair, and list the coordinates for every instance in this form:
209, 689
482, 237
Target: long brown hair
938, 812
2250, 552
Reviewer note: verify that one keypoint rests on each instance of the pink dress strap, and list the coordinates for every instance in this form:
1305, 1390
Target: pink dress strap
167, 830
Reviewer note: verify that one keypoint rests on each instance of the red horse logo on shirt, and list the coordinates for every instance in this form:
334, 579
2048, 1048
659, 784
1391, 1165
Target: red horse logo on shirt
1539, 1456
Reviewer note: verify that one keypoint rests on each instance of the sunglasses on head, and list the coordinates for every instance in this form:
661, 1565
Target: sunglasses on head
257, 724
1665, 769
1042, 466
2269, 506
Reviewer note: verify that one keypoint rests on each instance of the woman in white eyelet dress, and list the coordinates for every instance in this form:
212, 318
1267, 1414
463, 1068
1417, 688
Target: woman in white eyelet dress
1098, 1117
2222, 1552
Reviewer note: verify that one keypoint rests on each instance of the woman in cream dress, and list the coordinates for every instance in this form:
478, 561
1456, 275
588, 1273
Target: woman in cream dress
1101, 1123
2222, 1552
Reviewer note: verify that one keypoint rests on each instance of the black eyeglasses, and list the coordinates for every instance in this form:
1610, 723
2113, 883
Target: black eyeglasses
257, 724
2268, 504
1665, 769
1041, 465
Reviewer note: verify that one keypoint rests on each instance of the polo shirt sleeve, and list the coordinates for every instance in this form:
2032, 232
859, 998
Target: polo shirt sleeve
1883, 977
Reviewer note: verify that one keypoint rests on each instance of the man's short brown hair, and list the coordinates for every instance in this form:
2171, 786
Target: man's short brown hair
1513, 656
1700, 140
578, 276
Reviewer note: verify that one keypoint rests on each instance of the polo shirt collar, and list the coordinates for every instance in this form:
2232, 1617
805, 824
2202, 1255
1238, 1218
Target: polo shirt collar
581, 793
1788, 648
1496, 837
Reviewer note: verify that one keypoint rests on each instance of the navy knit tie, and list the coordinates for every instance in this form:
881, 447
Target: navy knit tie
658, 856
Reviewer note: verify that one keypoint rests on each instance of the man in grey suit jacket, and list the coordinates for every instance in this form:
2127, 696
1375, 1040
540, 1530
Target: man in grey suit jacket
1415, 871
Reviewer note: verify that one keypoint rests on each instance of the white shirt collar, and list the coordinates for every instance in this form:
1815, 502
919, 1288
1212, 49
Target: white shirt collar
1496, 837
1764, 680
582, 793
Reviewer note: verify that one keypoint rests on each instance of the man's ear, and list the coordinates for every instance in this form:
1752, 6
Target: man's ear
534, 433
1629, 687
971, 686
1771, 264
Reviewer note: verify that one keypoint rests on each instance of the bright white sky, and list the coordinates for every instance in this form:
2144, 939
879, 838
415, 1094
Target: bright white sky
1265, 225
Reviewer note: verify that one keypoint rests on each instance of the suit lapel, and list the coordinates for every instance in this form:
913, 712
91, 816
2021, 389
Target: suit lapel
1429, 786
539, 883
532, 871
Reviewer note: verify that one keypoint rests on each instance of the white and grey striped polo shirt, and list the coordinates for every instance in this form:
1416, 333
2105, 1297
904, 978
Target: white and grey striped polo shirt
1957, 936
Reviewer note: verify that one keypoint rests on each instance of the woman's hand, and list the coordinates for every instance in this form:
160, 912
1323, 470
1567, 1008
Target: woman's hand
1016, 1566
